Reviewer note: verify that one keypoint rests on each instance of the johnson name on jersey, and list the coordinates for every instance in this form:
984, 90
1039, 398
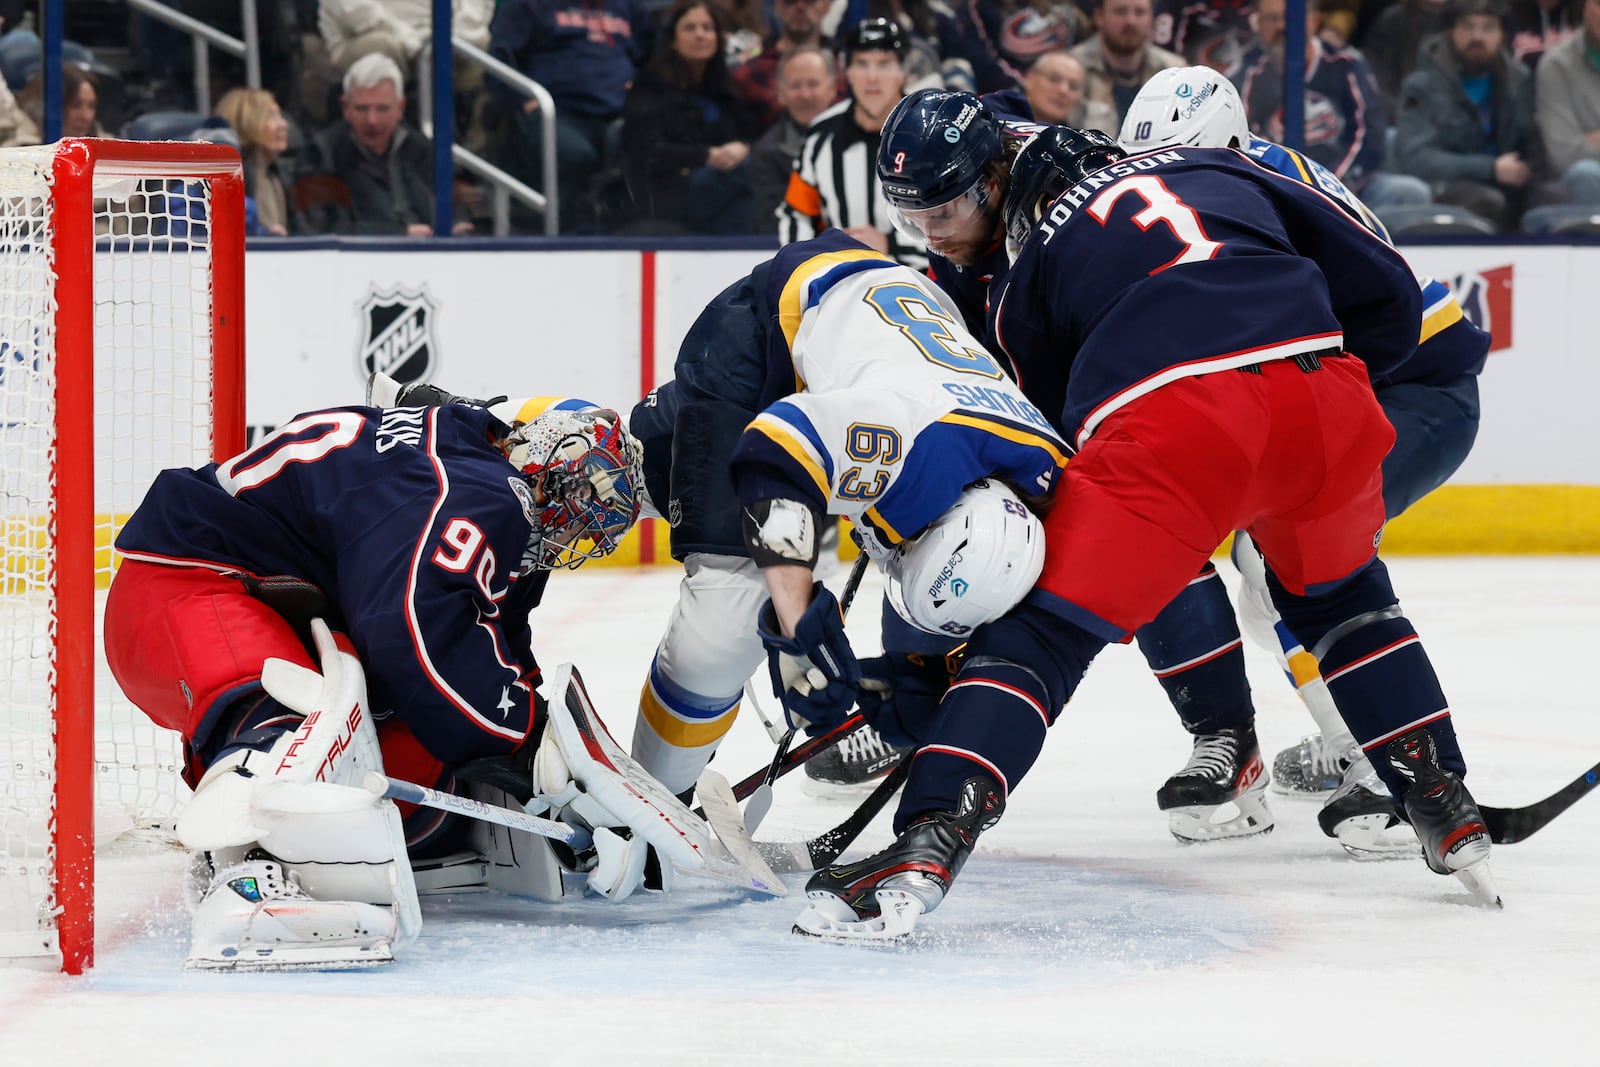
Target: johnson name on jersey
415, 525
894, 406
1101, 304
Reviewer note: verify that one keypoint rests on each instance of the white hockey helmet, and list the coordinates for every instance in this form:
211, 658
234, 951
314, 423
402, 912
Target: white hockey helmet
971, 565
1193, 106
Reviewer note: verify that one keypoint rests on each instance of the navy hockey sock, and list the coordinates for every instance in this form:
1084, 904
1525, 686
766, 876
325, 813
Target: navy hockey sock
1017, 675
1375, 666
1197, 655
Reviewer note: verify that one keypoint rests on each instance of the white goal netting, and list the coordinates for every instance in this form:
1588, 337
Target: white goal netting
151, 373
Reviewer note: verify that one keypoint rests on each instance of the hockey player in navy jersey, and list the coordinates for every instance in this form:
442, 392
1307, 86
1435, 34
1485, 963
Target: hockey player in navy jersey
777, 352
945, 167
1431, 400
1201, 331
423, 537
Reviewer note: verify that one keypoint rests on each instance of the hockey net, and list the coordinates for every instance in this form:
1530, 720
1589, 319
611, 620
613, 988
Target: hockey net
121, 351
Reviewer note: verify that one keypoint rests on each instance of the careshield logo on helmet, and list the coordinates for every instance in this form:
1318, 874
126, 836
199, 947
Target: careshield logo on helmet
946, 573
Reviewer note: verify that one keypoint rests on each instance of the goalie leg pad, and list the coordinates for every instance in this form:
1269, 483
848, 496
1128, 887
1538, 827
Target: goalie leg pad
256, 916
615, 790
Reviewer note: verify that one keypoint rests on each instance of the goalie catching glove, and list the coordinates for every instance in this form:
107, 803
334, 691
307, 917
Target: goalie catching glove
815, 672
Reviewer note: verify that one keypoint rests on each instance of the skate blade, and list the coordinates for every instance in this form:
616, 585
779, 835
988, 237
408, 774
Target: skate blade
1203, 823
818, 789
1282, 789
829, 919
1377, 837
1480, 880
285, 958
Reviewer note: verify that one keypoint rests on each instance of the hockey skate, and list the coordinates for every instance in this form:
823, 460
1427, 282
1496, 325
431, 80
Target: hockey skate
1311, 767
859, 760
1362, 818
255, 916
1219, 793
880, 898
1454, 838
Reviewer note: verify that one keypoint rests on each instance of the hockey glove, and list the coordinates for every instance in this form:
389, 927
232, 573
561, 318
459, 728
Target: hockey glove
900, 693
814, 672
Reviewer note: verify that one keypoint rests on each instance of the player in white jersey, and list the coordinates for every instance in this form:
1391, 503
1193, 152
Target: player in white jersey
737, 362
880, 406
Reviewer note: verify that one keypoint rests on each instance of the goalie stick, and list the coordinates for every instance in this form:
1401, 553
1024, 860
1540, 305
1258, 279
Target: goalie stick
724, 869
1507, 826
819, 851
381, 785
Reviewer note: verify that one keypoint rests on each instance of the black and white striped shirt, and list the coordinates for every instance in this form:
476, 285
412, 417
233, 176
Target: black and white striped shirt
835, 183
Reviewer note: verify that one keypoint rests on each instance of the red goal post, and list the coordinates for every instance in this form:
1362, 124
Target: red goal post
121, 353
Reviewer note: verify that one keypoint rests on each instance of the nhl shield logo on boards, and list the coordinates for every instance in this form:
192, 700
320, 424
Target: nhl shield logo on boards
397, 336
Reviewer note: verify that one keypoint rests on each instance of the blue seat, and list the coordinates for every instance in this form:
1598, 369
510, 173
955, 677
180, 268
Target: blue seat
1568, 220
1422, 220
163, 126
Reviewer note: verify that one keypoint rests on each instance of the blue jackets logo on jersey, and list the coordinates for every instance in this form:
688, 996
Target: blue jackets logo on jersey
397, 335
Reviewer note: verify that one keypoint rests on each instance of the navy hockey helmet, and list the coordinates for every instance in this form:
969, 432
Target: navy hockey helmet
875, 35
935, 149
1049, 163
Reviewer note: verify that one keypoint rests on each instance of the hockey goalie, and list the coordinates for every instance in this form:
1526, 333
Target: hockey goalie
415, 543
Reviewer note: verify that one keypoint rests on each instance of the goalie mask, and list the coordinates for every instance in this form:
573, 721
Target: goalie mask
971, 565
586, 471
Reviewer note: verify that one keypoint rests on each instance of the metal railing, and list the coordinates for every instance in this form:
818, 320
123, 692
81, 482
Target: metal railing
505, 185
204, 36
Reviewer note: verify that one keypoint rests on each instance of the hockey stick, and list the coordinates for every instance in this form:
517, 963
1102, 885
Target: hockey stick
819, 851
761, 796
727, 871
1507, 826
576, 837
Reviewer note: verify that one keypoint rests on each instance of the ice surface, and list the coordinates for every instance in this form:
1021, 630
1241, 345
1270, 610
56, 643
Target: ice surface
1079, 933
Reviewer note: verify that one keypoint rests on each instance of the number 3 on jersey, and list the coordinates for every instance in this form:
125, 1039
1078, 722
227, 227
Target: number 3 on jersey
1161, 205
918, 315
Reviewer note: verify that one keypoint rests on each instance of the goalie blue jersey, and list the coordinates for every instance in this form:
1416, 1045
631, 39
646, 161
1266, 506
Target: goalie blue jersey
414, 525
1450, 344
881, 406
1102, 303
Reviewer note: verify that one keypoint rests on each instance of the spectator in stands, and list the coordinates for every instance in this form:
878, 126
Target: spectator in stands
1020, 31
756, 79
942, 51
80, 104
585, 53
1391, 45
835, 179
1537, 26
1210, 33
1466, 119
1346, 122
263, 135
685, 133
398, 29
1120, 58
748, 27
807, 85
1054, 87
370, 173
1568, 109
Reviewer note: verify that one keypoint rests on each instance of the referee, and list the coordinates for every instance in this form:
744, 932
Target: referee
835, 178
